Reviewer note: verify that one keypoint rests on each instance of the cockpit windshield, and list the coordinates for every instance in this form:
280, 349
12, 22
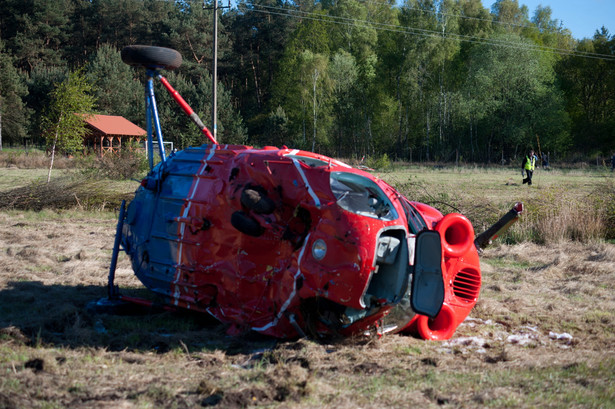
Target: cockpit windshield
360, 195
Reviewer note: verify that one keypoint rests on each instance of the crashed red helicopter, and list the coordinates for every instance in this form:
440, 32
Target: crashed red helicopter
290, 243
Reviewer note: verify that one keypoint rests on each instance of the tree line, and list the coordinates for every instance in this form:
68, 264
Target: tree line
429, 80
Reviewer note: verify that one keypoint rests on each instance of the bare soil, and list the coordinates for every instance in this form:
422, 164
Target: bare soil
542, 335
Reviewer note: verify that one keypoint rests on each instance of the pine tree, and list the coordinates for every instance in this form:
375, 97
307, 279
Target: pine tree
13, 113
117, 90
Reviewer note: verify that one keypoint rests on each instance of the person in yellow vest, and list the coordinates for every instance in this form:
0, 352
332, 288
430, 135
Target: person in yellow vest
528, 165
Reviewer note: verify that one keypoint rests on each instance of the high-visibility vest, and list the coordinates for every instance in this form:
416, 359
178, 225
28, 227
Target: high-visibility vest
529, 163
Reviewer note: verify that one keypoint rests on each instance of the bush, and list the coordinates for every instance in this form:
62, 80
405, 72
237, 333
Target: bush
559, 216
381, 163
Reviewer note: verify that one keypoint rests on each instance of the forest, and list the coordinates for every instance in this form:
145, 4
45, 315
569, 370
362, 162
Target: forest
418, 80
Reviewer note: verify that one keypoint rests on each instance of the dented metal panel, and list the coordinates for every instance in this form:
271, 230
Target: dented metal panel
280, 241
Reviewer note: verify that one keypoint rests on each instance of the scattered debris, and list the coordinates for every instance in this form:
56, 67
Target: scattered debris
524, 336
564, 337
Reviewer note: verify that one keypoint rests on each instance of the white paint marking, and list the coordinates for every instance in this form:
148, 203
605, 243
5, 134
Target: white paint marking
307, 184
292, 294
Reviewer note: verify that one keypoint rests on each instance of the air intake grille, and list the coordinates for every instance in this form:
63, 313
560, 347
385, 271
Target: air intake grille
466, 285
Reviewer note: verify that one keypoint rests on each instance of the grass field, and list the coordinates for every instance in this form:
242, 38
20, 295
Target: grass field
541, 335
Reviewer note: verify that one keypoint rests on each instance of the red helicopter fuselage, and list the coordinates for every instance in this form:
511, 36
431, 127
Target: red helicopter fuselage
288, 243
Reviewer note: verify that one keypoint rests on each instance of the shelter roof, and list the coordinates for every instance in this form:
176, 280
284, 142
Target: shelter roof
113, 125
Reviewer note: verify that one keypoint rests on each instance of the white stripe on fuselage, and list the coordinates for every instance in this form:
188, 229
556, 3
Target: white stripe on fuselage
185, 214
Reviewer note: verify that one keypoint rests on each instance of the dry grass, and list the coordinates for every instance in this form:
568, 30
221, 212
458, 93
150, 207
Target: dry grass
63, 193
541, 334
55, 353
558, 215
561, 205
32, 159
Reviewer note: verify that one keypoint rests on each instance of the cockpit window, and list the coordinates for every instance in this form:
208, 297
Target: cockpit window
415, 221
360, 195
312, 162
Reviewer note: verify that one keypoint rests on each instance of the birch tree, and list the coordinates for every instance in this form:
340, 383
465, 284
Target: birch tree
63, 124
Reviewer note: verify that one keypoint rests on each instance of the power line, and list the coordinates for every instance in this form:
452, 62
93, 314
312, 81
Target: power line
491, 21
432, 33
285, 12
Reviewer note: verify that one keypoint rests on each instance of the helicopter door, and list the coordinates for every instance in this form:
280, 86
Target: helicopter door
427, 283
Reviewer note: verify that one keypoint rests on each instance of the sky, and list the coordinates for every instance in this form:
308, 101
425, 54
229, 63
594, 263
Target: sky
581, 17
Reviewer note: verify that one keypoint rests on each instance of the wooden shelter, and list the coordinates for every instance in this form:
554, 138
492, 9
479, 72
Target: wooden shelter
108, 133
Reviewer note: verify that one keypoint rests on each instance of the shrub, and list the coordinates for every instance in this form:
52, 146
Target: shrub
32, 159
381, 163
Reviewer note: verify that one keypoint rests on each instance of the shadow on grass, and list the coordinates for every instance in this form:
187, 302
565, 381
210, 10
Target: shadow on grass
38, 314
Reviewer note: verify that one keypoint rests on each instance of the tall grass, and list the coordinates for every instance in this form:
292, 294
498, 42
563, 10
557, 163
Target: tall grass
32, 159
558, 215
552, 214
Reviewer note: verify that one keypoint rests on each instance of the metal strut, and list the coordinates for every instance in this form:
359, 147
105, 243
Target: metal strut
186, 108
153, 121
152, 116
484, 239
112, 290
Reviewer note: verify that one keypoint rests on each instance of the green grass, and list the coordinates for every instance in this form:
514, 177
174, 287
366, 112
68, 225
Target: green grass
498, 185
12, 178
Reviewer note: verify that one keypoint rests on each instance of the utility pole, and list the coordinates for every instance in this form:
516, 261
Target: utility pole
214, 69
214, 75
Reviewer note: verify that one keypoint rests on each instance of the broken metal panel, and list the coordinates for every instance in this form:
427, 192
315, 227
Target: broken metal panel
308, 246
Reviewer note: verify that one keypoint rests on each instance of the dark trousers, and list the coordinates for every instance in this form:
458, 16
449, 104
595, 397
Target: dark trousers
528, 178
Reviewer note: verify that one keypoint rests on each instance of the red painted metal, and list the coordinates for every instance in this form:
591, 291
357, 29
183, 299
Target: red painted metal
186, 108
273, 279
461, 274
